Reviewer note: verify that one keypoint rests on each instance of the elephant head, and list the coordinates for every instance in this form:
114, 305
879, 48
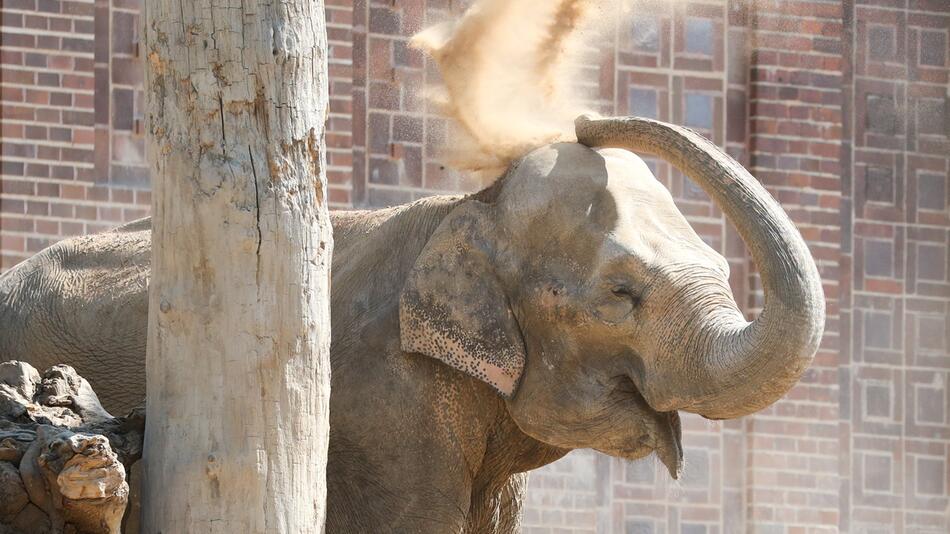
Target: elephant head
576, 288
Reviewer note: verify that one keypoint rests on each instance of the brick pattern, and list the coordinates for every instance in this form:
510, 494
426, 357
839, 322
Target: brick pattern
796, 122
71, 137
895, 359
396, 135
340, 127
838, 106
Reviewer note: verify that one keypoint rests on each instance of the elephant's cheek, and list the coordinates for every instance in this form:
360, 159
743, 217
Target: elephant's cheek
540, 416
556, 306
632, 452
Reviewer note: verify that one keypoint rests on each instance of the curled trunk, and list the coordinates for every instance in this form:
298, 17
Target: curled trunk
745, 366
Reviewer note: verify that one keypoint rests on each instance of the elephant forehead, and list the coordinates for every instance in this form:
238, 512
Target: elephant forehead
567, 187
553, 176
646, 214
659, 236
591, 203
572, 184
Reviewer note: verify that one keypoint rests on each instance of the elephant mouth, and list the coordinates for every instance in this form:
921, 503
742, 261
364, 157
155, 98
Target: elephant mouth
660, 432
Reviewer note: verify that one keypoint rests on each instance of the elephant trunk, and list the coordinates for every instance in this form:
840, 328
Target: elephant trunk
745, 366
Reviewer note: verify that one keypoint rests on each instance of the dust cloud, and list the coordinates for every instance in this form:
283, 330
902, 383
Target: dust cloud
509, 70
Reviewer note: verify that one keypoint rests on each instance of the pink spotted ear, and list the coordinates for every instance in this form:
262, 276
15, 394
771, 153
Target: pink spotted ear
453, 307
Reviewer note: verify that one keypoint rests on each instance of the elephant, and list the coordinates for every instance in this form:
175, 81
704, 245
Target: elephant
477, 337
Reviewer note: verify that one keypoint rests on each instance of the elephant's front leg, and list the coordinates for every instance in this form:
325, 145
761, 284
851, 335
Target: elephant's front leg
389, 489
497, 508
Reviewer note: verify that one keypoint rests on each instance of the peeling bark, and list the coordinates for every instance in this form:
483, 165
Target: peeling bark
63, 458
238, 343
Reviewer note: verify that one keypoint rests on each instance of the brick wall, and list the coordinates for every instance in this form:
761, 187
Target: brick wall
795, 143
838, 106
894, 358
72, 130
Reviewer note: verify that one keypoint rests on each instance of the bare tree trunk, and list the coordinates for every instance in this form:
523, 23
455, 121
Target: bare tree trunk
239, 328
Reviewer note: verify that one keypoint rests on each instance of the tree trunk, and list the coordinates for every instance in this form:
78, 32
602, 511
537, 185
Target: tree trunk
239, 326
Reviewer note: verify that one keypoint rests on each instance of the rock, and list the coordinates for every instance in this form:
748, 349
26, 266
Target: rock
13, 497
63, 459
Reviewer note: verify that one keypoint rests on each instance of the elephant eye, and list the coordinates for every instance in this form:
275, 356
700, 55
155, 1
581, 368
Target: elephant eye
618, 305
624, 292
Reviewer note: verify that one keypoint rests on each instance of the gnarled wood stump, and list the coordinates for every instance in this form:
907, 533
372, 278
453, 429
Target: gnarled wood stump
63, 458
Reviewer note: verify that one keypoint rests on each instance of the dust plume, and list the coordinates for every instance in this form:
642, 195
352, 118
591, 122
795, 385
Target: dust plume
507, 68
568, 16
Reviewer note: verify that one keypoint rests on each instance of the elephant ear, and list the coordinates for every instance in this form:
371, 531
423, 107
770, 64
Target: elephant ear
453, 307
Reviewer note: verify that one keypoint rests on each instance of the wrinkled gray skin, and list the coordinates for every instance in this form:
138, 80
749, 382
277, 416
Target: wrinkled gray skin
569, 305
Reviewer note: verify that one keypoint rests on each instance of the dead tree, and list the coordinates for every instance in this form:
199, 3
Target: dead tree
239, 330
